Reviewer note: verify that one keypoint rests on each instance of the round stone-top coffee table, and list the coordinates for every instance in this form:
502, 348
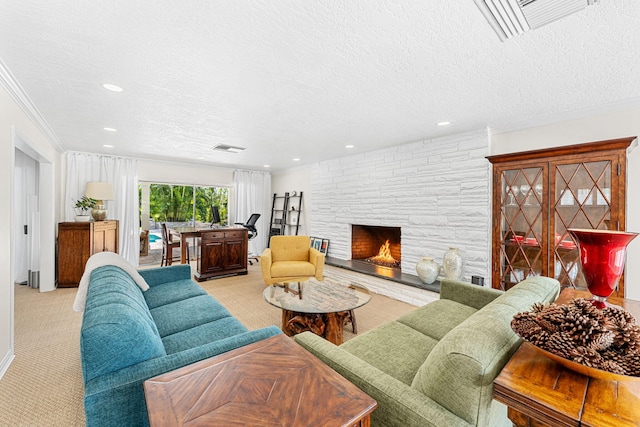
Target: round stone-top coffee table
321, 307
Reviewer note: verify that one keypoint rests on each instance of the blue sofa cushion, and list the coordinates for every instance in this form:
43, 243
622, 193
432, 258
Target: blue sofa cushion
113, 284
188, 313
203, 334
170, 292
115, 336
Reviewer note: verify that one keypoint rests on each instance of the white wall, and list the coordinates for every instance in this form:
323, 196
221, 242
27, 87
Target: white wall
436, 190
15, 119
184, 173
298, 180
588, 129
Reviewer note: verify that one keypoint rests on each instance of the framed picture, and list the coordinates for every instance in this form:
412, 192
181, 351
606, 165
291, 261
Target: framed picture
324, 246
317, 243
312, 241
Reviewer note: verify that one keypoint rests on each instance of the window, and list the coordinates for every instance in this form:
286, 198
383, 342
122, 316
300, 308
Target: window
187, 204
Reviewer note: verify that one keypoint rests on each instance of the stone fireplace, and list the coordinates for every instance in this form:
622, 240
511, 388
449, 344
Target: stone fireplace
377, 245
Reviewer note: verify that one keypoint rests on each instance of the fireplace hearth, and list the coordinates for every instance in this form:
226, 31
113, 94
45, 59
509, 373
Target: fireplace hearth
378, 245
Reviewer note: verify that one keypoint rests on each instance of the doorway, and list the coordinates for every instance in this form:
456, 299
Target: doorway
34, 180
26, 243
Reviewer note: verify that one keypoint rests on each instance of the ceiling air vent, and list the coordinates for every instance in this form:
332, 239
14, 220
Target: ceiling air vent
509, 18
228, 148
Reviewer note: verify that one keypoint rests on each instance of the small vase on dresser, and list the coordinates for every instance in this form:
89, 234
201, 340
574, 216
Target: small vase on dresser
427, 270
452, 264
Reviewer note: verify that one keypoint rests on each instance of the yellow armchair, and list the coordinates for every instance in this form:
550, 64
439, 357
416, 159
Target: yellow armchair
290, 259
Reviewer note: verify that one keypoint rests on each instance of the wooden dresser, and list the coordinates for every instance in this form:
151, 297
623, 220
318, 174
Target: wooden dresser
77, 241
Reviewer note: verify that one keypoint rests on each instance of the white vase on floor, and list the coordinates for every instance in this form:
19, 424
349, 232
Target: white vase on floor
452, 263
427, 270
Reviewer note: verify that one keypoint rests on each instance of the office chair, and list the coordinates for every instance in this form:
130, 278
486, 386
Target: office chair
253, 232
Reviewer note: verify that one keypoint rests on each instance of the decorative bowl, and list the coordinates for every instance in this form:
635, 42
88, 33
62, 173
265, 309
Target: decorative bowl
585, 370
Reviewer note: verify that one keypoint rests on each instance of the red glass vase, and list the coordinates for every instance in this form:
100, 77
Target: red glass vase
602, 256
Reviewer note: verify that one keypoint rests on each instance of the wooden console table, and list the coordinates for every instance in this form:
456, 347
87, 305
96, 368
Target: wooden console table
267, 383
539, 392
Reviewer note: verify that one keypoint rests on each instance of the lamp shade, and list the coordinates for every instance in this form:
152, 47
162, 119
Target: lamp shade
99, 191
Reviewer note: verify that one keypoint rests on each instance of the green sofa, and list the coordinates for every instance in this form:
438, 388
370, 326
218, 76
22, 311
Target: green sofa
129, 336
435, 366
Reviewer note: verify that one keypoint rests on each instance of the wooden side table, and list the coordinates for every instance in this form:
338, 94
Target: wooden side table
273, 382
539, 392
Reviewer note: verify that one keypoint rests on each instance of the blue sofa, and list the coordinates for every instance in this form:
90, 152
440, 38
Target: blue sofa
129, 336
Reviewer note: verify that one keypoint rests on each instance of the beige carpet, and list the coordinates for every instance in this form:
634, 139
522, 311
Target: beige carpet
43, 385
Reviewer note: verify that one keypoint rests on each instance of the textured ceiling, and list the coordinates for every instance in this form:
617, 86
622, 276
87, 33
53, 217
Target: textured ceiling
291, 78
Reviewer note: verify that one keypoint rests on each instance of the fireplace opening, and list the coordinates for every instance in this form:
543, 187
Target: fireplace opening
376, 245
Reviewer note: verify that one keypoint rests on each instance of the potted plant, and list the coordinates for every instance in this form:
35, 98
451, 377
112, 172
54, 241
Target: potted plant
82, 208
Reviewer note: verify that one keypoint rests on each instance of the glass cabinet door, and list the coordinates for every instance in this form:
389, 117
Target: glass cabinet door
581, 197
523, 224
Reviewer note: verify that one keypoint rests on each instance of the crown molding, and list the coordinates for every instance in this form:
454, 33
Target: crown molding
9, 82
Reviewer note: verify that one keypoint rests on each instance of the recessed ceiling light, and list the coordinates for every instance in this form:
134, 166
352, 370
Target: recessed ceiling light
443, 123
200, 157
266, 166
348, 146
108, 146
111, 129
112, 88
296, 160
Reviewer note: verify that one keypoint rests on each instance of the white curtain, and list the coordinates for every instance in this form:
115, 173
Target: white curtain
253, 195
122, 174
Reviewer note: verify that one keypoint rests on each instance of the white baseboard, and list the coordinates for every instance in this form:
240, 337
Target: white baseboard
6, 361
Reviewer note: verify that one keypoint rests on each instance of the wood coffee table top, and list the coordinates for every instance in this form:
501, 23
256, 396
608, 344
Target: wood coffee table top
273, 382
540, 392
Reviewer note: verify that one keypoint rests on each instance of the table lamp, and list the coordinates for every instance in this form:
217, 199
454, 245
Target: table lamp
100, 191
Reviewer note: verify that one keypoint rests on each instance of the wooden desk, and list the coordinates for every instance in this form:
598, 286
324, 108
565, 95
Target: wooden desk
186, 233
267, 383
221, 251
539, 392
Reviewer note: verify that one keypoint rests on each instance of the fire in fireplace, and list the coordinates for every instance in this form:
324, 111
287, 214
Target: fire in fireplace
376, 245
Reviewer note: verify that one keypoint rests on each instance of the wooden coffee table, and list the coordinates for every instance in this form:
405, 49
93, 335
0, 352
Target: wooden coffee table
539, 392
317, 306
273, 382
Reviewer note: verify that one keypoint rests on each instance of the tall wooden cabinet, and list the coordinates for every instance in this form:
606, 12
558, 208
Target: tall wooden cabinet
538, 195
77, 241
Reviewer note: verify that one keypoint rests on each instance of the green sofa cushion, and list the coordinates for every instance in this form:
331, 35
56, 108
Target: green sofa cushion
394, 348
459, 372
437, 318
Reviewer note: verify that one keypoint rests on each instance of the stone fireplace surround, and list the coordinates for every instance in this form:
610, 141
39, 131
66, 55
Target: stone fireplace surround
437, 191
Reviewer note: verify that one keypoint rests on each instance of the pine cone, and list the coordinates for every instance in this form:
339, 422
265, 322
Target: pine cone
586, 356
618, 316
611, 366
601, 341
631, 364
561, 344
